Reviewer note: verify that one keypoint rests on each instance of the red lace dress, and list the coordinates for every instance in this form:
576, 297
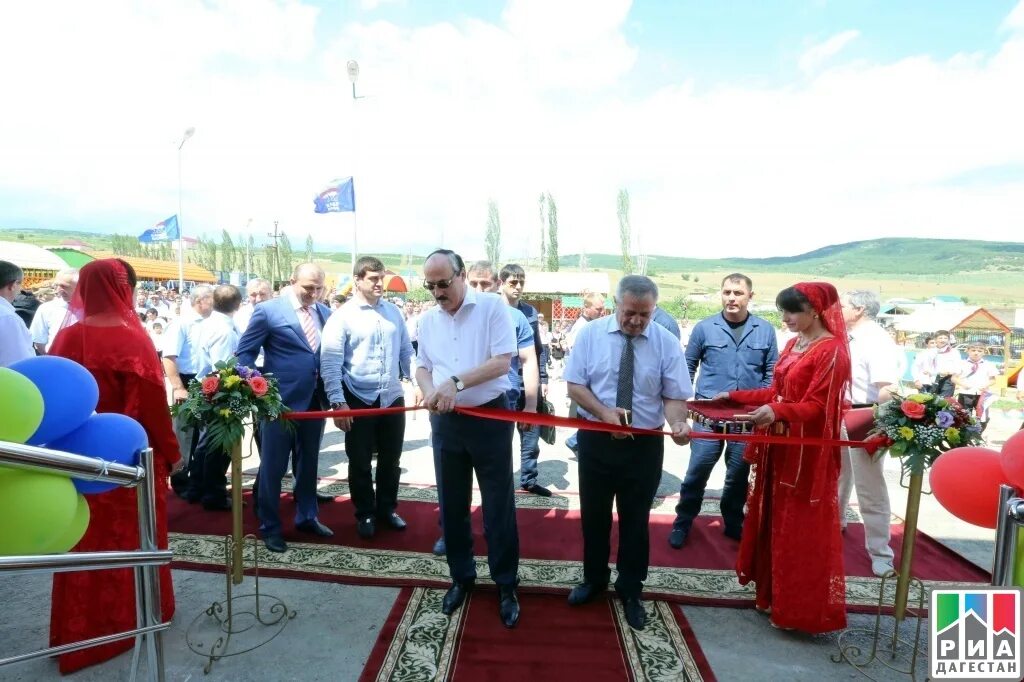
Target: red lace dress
94, 603
792, 547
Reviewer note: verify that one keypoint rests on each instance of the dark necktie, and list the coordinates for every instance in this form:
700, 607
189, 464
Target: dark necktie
624, 389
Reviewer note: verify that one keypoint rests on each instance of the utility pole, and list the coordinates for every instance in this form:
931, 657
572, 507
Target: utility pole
277, 261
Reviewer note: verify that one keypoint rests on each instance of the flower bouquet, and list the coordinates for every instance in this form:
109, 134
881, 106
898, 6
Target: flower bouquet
921, 426
226, 399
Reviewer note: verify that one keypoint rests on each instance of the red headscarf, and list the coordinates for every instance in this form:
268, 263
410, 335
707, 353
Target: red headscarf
102, 331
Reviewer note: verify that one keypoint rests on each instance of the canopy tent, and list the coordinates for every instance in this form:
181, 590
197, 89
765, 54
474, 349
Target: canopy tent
393, 284
73, 257
566, 283
37, 263
161, 270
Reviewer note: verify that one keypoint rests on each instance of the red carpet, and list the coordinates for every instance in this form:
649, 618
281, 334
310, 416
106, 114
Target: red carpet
554, 534
590, 642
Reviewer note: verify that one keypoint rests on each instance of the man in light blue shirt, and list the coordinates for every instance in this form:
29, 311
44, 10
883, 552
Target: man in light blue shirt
217, 340
364, 352
623, 369
734, 350
180, 357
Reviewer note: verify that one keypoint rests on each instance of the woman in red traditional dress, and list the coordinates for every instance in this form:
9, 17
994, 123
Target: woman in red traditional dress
792, 547
103, 333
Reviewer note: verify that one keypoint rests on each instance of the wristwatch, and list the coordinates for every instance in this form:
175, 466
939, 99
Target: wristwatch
458, 383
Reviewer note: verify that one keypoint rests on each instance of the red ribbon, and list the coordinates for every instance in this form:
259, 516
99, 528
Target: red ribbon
871, 444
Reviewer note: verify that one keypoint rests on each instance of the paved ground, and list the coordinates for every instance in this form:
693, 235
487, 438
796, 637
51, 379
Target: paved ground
338, 624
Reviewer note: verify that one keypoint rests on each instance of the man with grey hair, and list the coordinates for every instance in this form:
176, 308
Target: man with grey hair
180, 358
624, 370
874, 370
257, 291
50, 315
15, 341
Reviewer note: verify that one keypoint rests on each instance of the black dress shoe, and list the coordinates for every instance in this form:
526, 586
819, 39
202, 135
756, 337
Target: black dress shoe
275, 543
734, 532
677, 538
585, 592
439, 547
634, 609
508, 605
393, 520
314, 527
537, 490
455, 595
324, 497
217, 505
366, 528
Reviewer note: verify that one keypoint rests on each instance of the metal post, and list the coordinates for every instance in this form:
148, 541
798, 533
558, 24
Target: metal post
1006, 539
150, 592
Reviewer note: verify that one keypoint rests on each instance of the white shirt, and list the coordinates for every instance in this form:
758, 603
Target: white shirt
297, 307
180, 341
580, 323
659, 369
217, 340
924, 367
243, 316
946, 361
15, 341
874, 359
47, 321
450, 345
974, 379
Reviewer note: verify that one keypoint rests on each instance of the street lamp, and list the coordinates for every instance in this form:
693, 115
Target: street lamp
189, 132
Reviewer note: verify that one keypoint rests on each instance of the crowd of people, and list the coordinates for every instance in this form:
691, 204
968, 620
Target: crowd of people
478, 344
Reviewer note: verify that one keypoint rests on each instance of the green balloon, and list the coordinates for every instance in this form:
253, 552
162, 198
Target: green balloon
22, 402
75, 530
35, 510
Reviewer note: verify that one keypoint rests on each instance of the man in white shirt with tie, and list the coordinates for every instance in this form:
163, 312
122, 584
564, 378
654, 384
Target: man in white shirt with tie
50, 315
15, 341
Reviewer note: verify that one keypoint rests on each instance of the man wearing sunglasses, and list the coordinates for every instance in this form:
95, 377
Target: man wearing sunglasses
466, 345
513, 280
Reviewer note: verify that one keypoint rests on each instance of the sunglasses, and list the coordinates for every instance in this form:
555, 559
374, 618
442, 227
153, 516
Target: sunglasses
440, 284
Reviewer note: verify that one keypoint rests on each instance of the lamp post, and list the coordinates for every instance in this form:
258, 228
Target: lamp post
353, 75
189, 132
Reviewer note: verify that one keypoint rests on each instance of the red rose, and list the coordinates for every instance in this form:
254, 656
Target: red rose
259, 386
210, 385
912, 409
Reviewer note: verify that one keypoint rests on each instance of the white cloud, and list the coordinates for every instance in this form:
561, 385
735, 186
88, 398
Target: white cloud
817, 55
458, 112
1015, 19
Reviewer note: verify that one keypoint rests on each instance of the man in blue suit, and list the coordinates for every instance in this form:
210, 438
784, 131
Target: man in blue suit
287, 329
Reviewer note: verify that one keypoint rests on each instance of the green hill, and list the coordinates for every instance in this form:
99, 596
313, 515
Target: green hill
875, 256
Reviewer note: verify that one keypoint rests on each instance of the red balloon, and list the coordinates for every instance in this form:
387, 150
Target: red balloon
1013, 459
966, 482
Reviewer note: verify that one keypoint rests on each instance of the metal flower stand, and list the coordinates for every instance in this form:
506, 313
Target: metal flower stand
241, 622
883, 644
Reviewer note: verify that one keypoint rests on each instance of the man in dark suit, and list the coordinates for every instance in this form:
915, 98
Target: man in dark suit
287, 329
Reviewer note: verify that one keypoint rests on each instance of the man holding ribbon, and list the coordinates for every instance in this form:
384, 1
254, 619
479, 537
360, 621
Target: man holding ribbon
466, 345
624, 370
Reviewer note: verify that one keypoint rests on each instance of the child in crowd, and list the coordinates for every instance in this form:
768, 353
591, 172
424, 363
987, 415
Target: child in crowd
974, 381
946, 364
923, 370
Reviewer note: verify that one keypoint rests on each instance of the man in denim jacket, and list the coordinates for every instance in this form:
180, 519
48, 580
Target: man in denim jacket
734, 350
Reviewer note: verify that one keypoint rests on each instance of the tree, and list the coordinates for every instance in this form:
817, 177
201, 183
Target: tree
205, 253
542, 206
492, 239
228, 255
552, 234
624, 236
284, 257
309, 248
250, 250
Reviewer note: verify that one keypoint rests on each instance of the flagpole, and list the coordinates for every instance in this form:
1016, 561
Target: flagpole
189, 132
352, 68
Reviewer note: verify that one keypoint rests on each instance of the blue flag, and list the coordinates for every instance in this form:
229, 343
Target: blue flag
338, 197
164, 231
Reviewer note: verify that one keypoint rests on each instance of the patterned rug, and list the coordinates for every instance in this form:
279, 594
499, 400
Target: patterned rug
591, 642
550, 561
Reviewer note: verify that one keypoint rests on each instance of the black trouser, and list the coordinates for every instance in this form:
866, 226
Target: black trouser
207, 471
627, 472
179, 481
464, 445
386, 433
970, 403
943, 386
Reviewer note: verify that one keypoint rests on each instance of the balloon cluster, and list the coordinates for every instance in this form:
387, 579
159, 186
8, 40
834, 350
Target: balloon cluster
50, 401
966, 480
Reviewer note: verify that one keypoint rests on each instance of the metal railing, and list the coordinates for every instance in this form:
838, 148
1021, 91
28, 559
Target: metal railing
146, 560
1010, 520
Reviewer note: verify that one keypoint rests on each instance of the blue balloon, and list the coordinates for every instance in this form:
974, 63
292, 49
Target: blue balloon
113, 437
70, 395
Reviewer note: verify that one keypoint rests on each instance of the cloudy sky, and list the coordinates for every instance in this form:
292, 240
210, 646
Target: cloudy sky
741, 128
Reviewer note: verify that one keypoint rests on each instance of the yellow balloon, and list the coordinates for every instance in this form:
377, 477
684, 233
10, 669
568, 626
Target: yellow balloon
22, 402
35, 510
75, 530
